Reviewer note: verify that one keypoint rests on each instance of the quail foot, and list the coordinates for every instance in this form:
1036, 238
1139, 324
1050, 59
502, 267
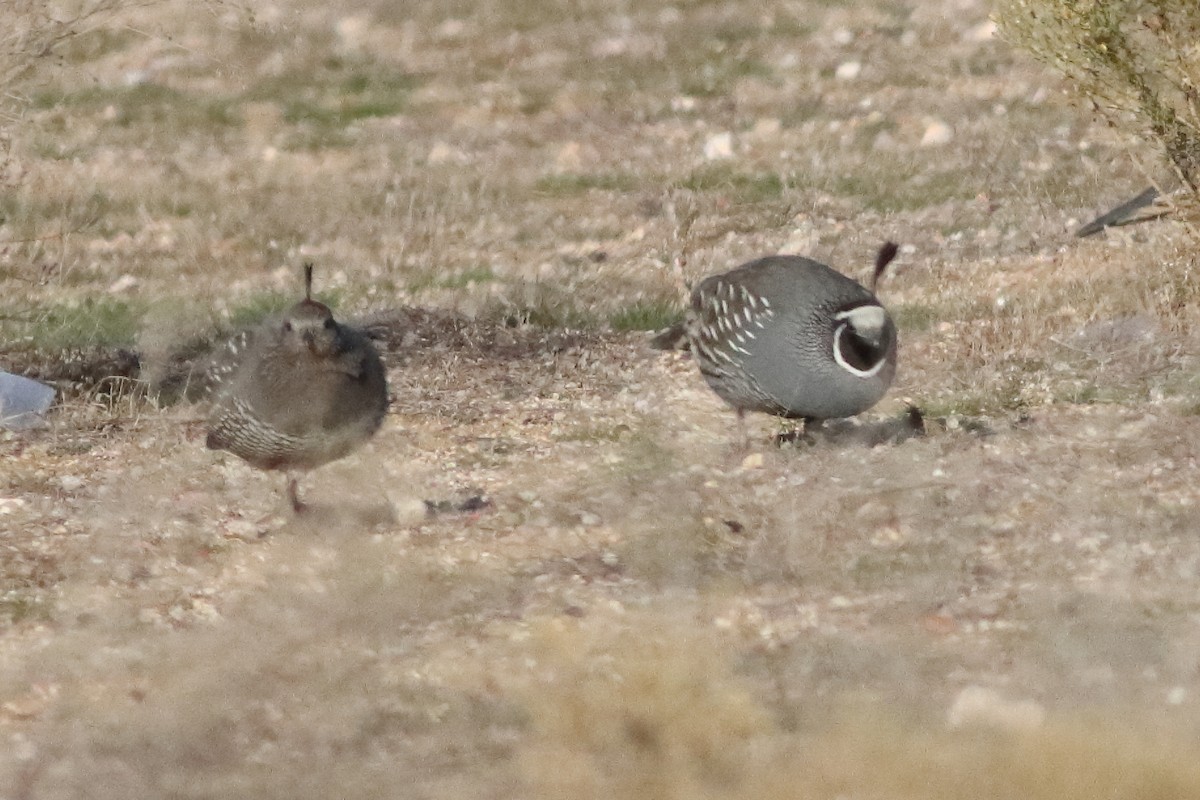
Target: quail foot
788, 336
297, 392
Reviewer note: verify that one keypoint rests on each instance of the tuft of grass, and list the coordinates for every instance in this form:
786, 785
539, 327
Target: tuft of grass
455, 280
915, 318
902, 190
573, 183
93, 322
551, 315
744, 186
145, 105
636, 715
338, 94
1130, 62
16, 607
645, 315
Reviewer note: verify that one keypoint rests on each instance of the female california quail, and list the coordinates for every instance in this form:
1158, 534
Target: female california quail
297, 392
789, 336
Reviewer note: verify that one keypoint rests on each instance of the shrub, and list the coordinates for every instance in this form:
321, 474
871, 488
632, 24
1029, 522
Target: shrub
1132, 60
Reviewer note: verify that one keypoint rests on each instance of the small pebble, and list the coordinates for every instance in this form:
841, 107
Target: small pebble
719, 146
848, 70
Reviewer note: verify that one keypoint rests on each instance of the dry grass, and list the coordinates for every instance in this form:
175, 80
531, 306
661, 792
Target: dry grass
1136, 63
642, 612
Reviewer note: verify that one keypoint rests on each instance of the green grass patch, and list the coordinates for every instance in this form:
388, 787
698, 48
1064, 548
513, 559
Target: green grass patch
645, 315
573, 183
93, 322
16, 608
455, 280
915, 318
146, 105
909, 189
337, 94
746, 187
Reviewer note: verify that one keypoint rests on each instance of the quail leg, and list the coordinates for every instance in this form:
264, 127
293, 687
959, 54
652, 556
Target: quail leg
293, 495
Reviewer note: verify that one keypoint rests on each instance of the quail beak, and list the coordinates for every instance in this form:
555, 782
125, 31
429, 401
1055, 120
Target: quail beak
310, 341
872, 336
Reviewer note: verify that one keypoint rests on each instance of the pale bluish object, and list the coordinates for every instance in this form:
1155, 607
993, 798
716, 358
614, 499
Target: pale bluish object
22, 401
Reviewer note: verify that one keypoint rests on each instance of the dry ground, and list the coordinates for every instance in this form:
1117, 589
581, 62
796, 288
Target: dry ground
1006, 608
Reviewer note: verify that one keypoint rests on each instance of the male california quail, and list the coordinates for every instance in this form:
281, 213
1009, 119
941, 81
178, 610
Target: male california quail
789, 336
297, 392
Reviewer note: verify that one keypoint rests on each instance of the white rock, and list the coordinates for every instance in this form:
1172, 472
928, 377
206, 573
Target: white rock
982, 32
569, 157
70, 483
848, 70
9, 505
936, 133
766, 128
450, 29
683, 103
752, 461
441, 152
843, 36
979, 706
123, 284
719, 146
352, 30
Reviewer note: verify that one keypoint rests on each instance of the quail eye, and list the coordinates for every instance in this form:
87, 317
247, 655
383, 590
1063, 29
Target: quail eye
287, 325
330, 324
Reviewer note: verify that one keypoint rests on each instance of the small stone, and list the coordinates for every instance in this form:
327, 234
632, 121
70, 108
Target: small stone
753, 461
936, 133
440, 153
683, 103
70, 483
719, 146
450, 29
982, 32
241, 529
766, 128
122, 284
569, 157
10, 504
848, 70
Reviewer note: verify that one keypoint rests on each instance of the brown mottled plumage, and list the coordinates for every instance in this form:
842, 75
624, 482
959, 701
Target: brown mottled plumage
297, 392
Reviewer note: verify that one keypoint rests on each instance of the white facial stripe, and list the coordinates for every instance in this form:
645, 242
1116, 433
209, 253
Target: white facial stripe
837, 356
865, 318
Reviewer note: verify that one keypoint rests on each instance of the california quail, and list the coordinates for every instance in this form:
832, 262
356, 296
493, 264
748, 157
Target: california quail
788, 336
297, 392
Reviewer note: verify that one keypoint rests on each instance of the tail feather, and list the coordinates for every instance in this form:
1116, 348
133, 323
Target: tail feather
887, 252
672, 338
